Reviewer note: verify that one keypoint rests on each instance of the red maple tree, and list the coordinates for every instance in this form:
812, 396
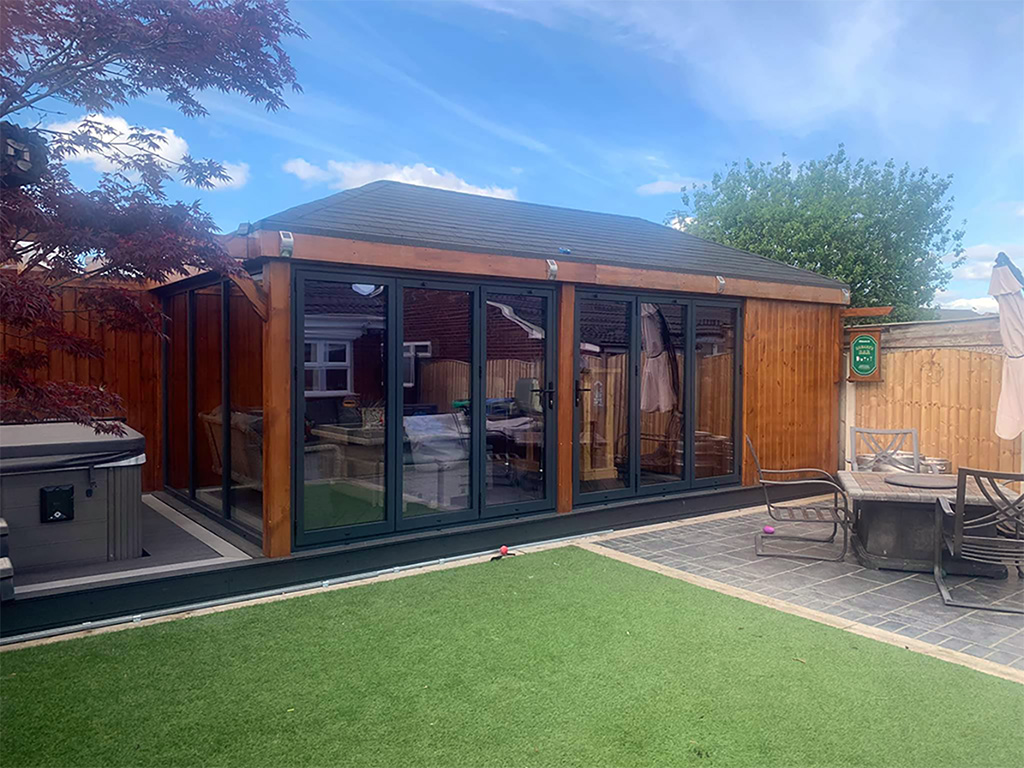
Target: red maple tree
125, 235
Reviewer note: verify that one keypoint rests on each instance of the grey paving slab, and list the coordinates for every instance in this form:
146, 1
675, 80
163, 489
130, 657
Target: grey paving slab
1012, 644
891, 626
769, 566
981, 651
793, 580
872, 603
909, 631
827, 570
1011, 620
1002, 657
955, 643
842, 587
882, 577
907, 589
935, 638
979, 632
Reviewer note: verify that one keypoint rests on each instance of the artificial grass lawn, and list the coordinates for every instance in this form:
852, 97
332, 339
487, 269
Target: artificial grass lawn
558, 658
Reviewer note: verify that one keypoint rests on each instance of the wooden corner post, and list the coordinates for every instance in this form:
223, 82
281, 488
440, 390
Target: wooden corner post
277, 410
566, 345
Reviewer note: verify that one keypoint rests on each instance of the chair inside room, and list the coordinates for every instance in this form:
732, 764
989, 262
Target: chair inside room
835, 512
884, 450
992, 534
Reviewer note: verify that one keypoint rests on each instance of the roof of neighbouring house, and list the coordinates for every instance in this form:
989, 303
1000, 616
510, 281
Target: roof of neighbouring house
407, 214
960, 314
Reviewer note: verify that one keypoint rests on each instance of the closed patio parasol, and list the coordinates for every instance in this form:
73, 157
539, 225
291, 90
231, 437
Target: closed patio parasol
1006, 285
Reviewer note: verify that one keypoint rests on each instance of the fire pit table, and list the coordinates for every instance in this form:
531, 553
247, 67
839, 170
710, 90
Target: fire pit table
894, 520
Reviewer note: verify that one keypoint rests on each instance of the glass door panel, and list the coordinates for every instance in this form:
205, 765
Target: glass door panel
603, 391
344, 394
519, 397
714, 396
245, 378
177, 398
208, 424
663, 342
437, 357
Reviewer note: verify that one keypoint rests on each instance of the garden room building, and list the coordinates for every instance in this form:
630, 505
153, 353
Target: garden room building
402, 373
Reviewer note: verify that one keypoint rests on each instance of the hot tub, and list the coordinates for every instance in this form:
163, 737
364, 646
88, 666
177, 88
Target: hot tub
70, 496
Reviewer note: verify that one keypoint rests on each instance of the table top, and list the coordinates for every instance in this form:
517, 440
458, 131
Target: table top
349, 435
921, 480
871, 486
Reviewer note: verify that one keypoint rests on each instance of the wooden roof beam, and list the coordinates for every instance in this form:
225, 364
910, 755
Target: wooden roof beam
866, 312
338, 250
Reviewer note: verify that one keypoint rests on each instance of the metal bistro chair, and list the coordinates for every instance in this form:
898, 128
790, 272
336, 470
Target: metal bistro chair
886, 450
964, 538
836, 514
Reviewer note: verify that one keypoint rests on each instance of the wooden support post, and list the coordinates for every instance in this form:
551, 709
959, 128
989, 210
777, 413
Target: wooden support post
566, 345
277, 411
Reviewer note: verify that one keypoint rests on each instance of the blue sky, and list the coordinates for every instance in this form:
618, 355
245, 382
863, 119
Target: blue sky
611, 107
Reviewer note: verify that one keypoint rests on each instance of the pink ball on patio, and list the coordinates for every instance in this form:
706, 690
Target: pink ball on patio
768, 529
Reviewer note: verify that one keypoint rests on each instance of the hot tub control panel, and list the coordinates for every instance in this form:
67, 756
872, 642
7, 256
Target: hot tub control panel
56, 503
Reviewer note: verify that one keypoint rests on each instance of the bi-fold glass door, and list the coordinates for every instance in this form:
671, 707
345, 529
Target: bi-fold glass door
656, 401
420, 403
213, 404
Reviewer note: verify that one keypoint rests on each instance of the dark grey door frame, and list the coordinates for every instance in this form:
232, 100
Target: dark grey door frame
632, 397
396, 282
550, 405
687, 481
392, 435
188, 495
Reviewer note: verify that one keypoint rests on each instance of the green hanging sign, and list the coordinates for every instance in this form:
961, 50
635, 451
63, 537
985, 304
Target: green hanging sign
864, 355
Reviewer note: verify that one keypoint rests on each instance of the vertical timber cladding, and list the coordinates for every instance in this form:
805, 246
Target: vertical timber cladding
792, 353
277, 410
565, 352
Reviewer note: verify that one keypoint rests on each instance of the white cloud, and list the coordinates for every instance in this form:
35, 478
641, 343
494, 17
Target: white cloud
979, 304
305, 170
680, 222
671, 186
173, 149
239, 173
1020, 211
980, 259
797, 67
341, 175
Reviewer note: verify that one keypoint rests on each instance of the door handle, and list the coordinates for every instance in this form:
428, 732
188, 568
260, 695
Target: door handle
549, 392
580, 389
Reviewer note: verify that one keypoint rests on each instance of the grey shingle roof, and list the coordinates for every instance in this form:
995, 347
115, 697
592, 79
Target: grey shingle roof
405, 214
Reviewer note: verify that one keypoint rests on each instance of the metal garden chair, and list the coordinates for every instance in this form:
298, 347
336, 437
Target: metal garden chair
835, 513
995, 536
884, 450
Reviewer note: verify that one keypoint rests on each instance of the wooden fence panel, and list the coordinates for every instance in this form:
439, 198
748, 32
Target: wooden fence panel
949, 395
130, 366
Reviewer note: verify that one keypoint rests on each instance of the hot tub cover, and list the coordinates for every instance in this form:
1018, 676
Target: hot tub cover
53, 445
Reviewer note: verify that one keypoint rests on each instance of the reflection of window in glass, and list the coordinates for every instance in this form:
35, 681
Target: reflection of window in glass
413, 350
328, 367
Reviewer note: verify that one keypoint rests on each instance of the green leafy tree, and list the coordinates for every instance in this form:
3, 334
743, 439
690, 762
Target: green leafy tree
884, 230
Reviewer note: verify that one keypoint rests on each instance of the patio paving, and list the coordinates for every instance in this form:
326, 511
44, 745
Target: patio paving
907, 604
